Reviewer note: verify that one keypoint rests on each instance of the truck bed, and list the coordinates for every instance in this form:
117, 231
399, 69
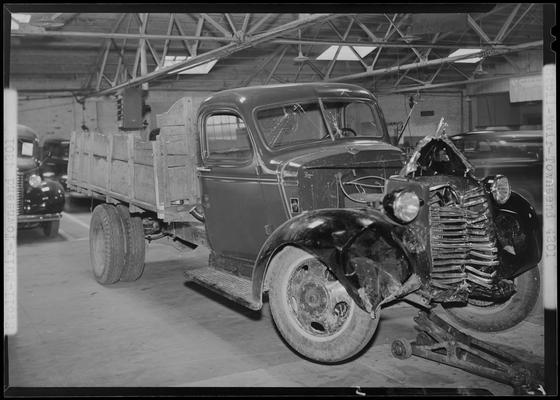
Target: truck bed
154, 175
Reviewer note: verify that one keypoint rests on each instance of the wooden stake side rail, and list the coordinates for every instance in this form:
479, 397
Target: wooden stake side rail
158, 175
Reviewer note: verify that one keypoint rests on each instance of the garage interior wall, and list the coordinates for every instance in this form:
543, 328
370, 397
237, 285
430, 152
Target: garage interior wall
426, 115
58, 117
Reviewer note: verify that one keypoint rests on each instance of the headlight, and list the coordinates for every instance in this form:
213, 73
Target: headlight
34, 180
500, 188
404, 205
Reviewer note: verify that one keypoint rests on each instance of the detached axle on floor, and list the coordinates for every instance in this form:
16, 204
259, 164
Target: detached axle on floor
439, 341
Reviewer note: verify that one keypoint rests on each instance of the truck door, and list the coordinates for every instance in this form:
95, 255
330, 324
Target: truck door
231, 192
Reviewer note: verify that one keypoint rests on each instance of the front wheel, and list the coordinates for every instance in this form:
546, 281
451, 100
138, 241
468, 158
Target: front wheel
492, 317
313, 311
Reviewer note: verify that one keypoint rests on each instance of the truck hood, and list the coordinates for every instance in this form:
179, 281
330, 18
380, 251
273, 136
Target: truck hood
344, 155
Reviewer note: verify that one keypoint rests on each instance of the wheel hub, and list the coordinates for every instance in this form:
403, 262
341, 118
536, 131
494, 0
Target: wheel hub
314, 298
319, 303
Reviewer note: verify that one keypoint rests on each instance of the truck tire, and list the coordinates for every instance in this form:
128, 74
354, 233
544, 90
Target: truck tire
106, 243
493, 317
135, 245
50, 228
312, 310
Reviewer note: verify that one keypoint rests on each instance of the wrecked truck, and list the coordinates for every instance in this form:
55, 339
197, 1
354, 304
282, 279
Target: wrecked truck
299, 193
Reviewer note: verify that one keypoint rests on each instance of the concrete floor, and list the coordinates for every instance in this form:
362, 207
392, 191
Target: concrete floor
163, 332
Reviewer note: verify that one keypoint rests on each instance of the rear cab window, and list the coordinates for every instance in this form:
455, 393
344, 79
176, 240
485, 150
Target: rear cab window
226, 138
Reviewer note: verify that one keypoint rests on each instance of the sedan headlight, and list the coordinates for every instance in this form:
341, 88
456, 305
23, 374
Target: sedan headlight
34, 181
500, 188
403, 205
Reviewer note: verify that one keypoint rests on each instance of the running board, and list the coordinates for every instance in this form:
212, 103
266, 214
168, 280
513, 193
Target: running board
233, 287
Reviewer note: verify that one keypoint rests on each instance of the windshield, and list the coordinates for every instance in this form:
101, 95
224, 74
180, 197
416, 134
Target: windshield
314, 120
25, 149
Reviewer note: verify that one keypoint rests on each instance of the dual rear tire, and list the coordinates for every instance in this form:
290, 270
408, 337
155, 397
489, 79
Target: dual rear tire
117, 245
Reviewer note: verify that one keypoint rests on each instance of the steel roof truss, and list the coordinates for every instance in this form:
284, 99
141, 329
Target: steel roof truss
472, 23
501, 34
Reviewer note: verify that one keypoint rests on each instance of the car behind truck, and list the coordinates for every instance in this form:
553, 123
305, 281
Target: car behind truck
298, 191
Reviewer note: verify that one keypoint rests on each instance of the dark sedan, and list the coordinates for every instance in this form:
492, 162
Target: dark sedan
517, 154
40, 202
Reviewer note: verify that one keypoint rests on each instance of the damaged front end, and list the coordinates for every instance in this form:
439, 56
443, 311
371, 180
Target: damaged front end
480, 234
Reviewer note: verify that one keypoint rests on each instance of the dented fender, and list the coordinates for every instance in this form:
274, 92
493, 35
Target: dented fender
361, 247
519, 235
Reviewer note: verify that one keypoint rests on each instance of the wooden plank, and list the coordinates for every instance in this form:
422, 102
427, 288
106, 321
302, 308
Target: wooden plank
130, 145
179, 160
100, 142
120, 179
143, 182
176, 143
90, 157
99, 173
158, 183
120, 147
164, 174
109, 163
179, 187
144, 157
174, 116
72, 151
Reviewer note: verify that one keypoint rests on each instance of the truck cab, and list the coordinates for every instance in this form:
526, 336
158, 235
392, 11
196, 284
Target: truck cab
271, 153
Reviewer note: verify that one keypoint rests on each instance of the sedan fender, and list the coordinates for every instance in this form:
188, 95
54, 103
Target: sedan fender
362, 248
47, 198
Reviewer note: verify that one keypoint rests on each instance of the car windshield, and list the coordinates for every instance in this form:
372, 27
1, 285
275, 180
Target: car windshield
25, 149
314, 120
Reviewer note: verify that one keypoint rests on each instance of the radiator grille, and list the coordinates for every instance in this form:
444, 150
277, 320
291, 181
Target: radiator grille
463, 243
19, 193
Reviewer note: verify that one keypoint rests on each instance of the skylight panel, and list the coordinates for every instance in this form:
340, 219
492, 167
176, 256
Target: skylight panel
463, 52
19, 18
345, 53
198, 69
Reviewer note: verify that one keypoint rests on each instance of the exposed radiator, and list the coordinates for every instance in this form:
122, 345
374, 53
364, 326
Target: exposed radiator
19, 193
463, 244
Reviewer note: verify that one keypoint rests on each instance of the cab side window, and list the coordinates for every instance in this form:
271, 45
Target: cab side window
227, 138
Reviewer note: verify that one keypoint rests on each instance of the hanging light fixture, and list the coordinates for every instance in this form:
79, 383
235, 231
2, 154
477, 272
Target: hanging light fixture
300, 57
479, 70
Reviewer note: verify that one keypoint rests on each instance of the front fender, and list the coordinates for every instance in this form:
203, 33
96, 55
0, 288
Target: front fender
519, 234
47, 198
350, 242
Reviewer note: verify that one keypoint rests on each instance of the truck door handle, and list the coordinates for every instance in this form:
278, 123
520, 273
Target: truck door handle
203, 169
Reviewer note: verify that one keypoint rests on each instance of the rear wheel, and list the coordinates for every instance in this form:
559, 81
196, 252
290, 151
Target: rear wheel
107, 244
313, 311
492, 317
135, 245
50, 228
